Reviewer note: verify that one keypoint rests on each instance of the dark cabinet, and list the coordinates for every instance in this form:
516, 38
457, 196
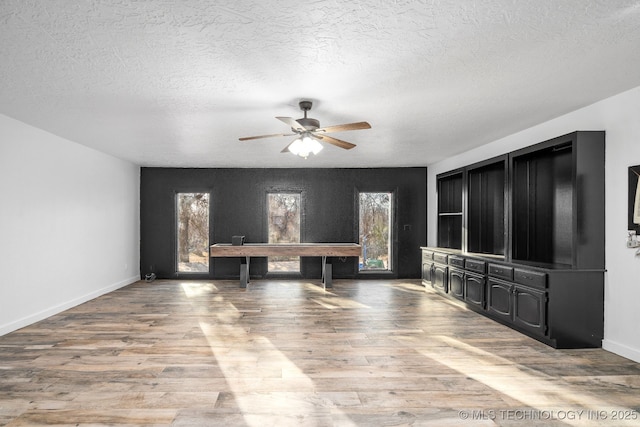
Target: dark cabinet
474, 290
440, 273
456, 282
521, 239
427, 267
440, 277
559, 307
529, 309
523, 306
499, 302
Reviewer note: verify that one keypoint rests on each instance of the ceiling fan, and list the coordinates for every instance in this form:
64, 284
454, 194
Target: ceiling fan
309, 133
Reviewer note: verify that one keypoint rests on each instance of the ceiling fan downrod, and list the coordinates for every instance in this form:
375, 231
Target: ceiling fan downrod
308, 123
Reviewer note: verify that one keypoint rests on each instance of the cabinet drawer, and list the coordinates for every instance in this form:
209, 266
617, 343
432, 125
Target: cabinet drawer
441, 258
456, 261
501, 271
530, 278
474, 265
427, 256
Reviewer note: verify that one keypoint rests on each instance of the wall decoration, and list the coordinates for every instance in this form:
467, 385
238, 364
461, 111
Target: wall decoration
634, 198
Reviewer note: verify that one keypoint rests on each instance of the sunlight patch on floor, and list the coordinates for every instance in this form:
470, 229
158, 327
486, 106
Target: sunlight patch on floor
336, 303
196, 289
227, 341
533, 389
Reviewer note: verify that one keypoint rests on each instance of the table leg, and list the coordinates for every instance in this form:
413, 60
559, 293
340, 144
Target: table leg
244, 272
327, 273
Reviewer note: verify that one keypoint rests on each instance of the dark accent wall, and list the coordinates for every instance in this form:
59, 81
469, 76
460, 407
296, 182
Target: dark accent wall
238, 207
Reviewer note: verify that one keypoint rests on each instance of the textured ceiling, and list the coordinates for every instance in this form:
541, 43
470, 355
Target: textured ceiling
176, 83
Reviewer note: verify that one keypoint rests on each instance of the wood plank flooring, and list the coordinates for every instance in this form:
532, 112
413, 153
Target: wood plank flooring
288, 353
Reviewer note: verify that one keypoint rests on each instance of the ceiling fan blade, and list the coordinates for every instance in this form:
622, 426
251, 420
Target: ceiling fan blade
348, 126
286, 149
292, 122
247, 138
335, 141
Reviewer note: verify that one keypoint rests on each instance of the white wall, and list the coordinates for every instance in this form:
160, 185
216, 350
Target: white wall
619, 116
69, 224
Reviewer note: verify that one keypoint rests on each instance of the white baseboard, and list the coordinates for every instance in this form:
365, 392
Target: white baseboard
41, 315
621, 350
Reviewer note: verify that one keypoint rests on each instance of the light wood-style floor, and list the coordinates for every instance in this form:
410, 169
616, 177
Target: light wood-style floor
287, 353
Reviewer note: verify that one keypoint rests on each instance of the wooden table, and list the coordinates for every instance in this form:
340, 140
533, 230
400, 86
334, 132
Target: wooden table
324, 250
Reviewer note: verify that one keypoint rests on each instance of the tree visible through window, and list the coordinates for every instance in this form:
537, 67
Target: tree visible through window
193, 232
375, 231
284, 227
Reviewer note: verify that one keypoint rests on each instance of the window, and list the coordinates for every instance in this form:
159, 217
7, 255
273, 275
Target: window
284, 227
375, 231
192, 232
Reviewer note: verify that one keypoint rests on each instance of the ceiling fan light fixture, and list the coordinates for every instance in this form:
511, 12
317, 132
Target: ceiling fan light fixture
305, 145
309, 132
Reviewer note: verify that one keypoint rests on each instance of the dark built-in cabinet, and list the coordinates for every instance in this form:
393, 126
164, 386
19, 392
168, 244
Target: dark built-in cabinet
521, 239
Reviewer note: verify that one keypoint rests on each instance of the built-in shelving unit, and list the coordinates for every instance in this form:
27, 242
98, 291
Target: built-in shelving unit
486, 202
521, 239
450, 210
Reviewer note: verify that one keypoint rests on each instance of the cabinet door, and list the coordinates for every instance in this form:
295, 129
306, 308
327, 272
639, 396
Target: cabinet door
439, 278
474, 289
427, 270
499, 301
456, 283
530, 309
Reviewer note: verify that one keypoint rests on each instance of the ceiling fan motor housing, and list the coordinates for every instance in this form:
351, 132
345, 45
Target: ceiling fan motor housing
309, 124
